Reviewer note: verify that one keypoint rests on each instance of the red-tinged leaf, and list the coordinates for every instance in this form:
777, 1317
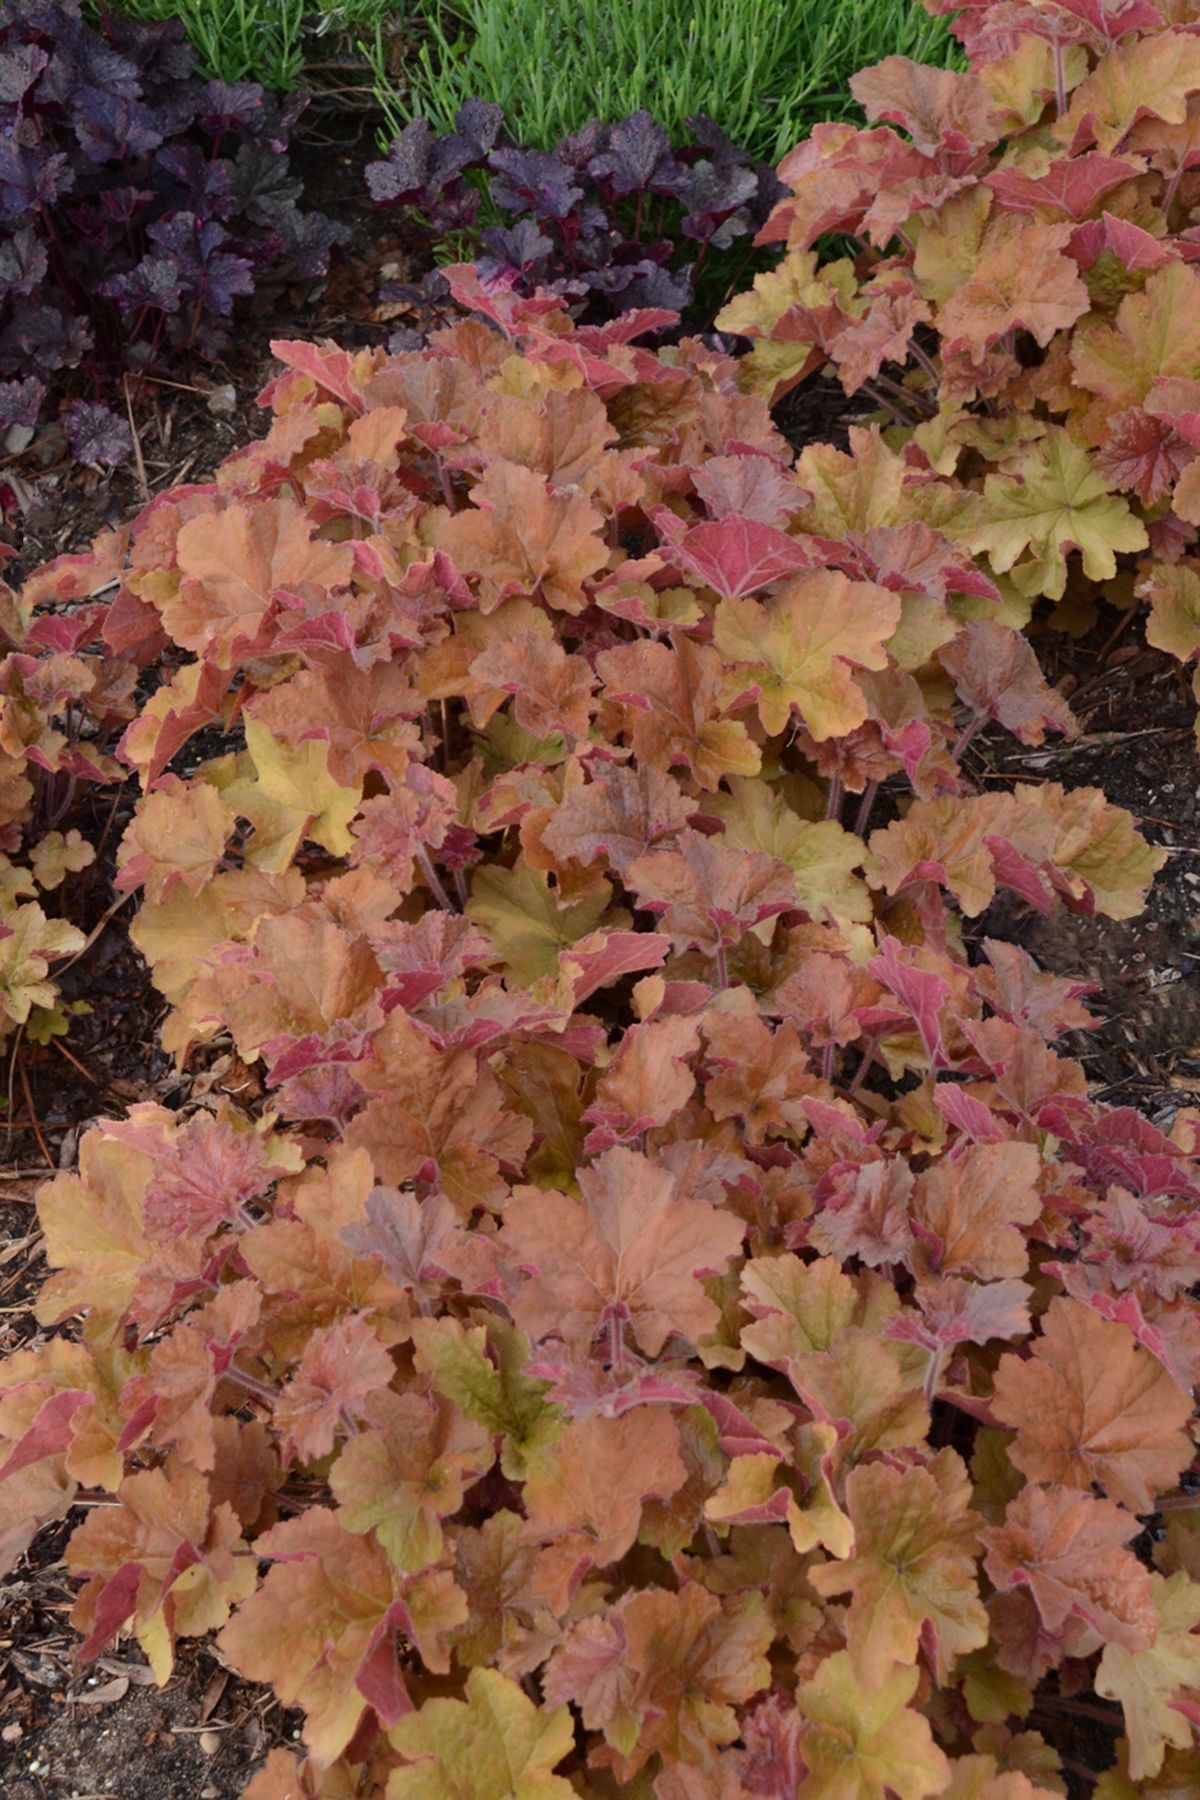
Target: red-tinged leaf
630, 1251
341, 1367
764, 1076
1072, 187
1018, 990
675, 707
181, 707
365, 716
522, 537
954, 1311
969, 1115
1092, 1406
869, 1218
139, 1557
1136, 250
968, 1212
341, 373
603, 957
394, 832
995, 671
922, 992
406, 1471
585, 1496
619, 815
882, 335
1069, 1550
749, 488
709, 895
800, 647
911, 1577
1027, 282
173, 1401
1143, 454
50, 1431
733, 555
322, 1627
646, 1084
204, 1174
437, 1116
939, 108
1143, 76
553, 691
663, 1671
230, 566
408, 1236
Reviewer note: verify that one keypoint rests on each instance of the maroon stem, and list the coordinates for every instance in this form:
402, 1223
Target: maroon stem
722, 967
431, 876
966, 734
865, 809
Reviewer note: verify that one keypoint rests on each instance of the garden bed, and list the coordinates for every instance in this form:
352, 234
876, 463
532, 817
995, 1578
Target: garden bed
72, 1733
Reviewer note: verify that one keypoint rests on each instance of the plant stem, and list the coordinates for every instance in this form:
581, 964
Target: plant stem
865, 809
432, 878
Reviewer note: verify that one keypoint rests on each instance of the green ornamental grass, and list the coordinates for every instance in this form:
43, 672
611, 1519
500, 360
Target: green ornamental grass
268, 41
764, 70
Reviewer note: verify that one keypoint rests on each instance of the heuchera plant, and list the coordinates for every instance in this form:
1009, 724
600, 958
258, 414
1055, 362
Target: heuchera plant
64, 703
1023, 295
137, 203
671, 1325
600, 219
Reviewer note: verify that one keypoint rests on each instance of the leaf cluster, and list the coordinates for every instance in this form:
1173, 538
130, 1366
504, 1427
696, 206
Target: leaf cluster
602, 218
138, 202
1020, 294
669, 1323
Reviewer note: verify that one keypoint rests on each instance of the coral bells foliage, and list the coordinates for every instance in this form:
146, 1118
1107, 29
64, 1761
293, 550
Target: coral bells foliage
673, 1325
1024, 295
137, 203
597, 219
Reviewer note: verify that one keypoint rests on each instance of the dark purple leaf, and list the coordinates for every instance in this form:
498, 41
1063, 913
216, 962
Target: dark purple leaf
188, 178
31, 175
158, 49
259, 182
110, 129
302, 243
20, 68
638, 159
153, 283
110, 214
715, 200
224, 106
478, 123
534, 181
96, 434
23, 262
45, 337
709, 137
520, 247
402, 178
582, 148
207, 271
20, 403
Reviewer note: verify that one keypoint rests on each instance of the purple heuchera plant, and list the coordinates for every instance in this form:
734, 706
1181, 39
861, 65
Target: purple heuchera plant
138, 202
597, 219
